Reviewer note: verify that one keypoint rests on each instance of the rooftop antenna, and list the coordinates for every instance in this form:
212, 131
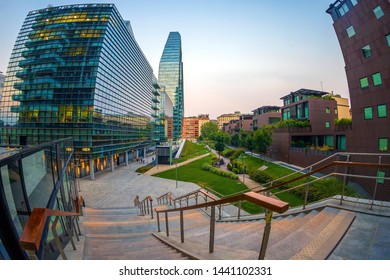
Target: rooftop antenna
322, 86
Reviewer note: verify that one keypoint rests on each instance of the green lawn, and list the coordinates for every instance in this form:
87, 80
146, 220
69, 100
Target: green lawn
192, 150
193, 172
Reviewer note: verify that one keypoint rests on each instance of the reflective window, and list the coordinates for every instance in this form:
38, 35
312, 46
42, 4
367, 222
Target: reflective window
366, 51
327, 110
327, 124
378, 12
377, 79
354, 2
350, 31
368, 113
388, 39
383, 144
381, 176
343, 9
364, 82
382, 111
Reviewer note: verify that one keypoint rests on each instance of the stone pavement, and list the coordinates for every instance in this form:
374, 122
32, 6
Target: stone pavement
119, 188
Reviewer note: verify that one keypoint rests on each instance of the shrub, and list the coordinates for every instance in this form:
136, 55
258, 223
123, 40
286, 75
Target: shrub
343, 121
228, 152
236, 154
217, 171
260, 177
144, 169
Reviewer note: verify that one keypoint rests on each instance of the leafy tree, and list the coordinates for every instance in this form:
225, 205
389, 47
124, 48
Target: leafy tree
219, 146
209, 129
262, 139
235, 140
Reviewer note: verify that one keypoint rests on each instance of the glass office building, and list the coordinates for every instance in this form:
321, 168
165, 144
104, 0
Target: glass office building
78, 71
171, 77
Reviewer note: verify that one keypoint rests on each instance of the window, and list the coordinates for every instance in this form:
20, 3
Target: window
343, 9
354, 2
366, 51
341, 142
336, 111
327, 124
368, 113
364, 82
388, 39
378, 12
350, 31
382, 113
377, 79
381, 176
383, 144
327, 110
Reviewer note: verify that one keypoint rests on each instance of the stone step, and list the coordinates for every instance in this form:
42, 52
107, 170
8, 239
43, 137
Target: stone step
110, 211
291, 244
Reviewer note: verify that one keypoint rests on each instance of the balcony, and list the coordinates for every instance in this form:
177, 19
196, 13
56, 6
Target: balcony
155, 93
23, 74
155, 107
155, 100
155, 115
26, 62
292, 129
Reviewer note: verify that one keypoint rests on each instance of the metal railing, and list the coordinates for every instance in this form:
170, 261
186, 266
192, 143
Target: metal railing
146, 206
271, 204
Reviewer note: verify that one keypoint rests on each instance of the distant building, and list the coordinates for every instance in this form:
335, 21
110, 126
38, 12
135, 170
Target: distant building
226, 118
192, 126
2, 79
363, 30
170, 76
266, 115
162, 114
244, 123
309, 123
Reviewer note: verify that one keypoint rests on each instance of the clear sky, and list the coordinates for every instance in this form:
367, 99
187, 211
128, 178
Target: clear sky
237, 55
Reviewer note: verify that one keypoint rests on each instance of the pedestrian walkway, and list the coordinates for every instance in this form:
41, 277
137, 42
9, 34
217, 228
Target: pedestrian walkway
164, 167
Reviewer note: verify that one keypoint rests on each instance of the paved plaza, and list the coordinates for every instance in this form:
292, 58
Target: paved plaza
119, 188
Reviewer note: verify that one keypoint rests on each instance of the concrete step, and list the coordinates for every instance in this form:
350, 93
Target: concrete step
294, 242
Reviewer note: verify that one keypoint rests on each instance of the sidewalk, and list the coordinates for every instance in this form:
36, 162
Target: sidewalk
164, 167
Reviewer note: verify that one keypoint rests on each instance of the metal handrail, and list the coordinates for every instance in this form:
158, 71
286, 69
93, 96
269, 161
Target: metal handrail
146, 206
271, 204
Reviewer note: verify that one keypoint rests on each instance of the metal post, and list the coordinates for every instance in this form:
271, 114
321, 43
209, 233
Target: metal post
376, 184
307, 189
239, 210
176, 173
166, 223
151, 208
212, 229
158, 221
181, 227
57, 239
344, 181
267, 230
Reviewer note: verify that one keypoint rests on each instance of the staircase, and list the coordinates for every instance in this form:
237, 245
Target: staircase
311, 235
322, 232
121, 234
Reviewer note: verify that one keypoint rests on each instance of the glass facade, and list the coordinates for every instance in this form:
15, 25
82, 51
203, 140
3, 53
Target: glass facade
77, 71
170, 76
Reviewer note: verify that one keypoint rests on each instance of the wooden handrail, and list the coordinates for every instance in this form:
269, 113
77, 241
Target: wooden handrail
32, 233
270, 203
336, 163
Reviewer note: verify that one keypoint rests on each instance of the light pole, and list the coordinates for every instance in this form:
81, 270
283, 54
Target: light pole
243, 178
176, 175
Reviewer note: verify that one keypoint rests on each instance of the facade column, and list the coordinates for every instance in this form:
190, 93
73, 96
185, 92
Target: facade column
127, 158
92, 169
112, 164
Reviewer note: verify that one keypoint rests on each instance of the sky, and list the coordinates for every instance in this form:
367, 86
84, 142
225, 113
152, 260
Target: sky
237, 55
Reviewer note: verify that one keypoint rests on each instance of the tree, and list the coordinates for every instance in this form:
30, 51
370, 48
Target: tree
235, 140
219, 146
262, 139
208, 130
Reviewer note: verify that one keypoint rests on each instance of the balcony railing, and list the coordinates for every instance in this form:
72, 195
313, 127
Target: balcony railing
292, 129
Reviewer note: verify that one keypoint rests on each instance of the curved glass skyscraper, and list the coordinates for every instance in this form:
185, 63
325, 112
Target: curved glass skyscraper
170, 76
76, 70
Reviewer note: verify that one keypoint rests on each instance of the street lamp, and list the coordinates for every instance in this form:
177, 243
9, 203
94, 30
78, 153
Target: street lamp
176, 174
